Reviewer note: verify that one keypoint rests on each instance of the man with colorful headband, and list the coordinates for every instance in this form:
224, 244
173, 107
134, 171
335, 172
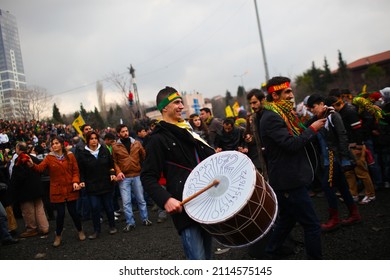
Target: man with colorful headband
174, 150
290, 170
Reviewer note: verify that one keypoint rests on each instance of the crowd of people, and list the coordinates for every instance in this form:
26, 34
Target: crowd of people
341, 143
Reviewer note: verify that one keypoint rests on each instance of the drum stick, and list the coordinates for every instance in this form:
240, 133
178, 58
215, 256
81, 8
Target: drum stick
191, 197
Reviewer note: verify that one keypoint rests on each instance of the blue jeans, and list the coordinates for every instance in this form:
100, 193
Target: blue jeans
126, 186
196, 243
98, 202
296, 206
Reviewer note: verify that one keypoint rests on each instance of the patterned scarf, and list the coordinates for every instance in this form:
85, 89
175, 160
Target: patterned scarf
284, 109
365, 104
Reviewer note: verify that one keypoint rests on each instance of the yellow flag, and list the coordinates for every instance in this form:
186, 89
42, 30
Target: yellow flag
229, 111
364, 89
236, 108
77, 123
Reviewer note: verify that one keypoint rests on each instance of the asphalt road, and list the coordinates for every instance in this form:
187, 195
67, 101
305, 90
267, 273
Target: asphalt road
369, 240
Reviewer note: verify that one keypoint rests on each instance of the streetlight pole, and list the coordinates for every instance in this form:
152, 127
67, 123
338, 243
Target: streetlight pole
240, 76
262, 44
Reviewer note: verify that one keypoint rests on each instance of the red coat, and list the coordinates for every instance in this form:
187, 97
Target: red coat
63, 173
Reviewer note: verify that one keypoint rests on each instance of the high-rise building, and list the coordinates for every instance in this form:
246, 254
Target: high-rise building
13, 101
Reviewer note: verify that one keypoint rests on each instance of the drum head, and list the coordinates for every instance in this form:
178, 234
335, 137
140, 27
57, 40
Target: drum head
237, 176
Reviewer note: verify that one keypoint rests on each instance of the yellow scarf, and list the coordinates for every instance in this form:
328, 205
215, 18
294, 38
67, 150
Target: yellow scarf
185, 125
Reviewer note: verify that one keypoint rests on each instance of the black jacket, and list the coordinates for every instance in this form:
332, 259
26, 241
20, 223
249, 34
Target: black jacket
171, 152
95, 172
27, 183
230, 141
289, 163
352, 123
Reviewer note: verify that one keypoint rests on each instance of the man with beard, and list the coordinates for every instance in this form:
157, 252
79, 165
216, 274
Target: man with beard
290, 171
128, 154
256, 99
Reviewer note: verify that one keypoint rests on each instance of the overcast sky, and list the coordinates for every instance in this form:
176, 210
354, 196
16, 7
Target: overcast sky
206, 46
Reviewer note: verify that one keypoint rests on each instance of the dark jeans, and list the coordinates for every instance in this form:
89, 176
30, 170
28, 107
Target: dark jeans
83, 207
99, 202
375, 168
296, 206
115, 196
4, 234
339, 183
60, 207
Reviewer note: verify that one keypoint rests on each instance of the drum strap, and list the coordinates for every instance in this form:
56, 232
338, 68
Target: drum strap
178, 165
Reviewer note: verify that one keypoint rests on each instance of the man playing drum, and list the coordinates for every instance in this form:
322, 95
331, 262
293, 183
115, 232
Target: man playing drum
290, 171
174, 150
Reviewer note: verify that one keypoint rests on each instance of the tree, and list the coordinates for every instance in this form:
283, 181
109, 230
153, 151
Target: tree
229, 98
343, 74
38, 100
122, 83
327, 75
84, 113
375, 77
317, 76
241, 96
98, 120
101, 98
57, 118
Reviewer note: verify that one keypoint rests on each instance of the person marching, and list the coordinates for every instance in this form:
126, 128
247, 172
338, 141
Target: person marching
96, 175
175, 150
290, 170
337, 158
64, 185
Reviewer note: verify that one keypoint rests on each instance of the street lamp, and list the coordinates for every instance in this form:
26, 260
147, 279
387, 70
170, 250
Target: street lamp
240, 76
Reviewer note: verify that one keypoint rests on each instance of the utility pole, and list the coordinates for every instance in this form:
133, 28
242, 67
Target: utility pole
133, 82
262, 45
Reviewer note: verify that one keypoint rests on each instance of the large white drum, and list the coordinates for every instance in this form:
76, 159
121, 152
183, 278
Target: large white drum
238, 211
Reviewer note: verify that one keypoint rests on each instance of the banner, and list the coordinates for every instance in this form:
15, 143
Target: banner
77, 123
229, 112
236, 108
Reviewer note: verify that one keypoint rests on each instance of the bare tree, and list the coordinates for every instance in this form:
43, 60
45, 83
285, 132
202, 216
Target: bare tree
122, 83
101, 98
39, 101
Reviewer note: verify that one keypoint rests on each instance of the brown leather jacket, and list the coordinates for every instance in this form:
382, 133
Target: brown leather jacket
128, 164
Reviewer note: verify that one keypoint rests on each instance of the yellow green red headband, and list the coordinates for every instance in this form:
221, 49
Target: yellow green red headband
168, 100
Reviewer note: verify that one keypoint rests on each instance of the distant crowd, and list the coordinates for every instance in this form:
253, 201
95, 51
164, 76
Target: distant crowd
349, 134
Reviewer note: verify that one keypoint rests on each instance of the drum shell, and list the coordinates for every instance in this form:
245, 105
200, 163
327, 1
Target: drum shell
251, 223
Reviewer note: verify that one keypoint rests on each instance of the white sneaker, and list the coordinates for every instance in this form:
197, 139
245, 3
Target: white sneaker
367, 199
